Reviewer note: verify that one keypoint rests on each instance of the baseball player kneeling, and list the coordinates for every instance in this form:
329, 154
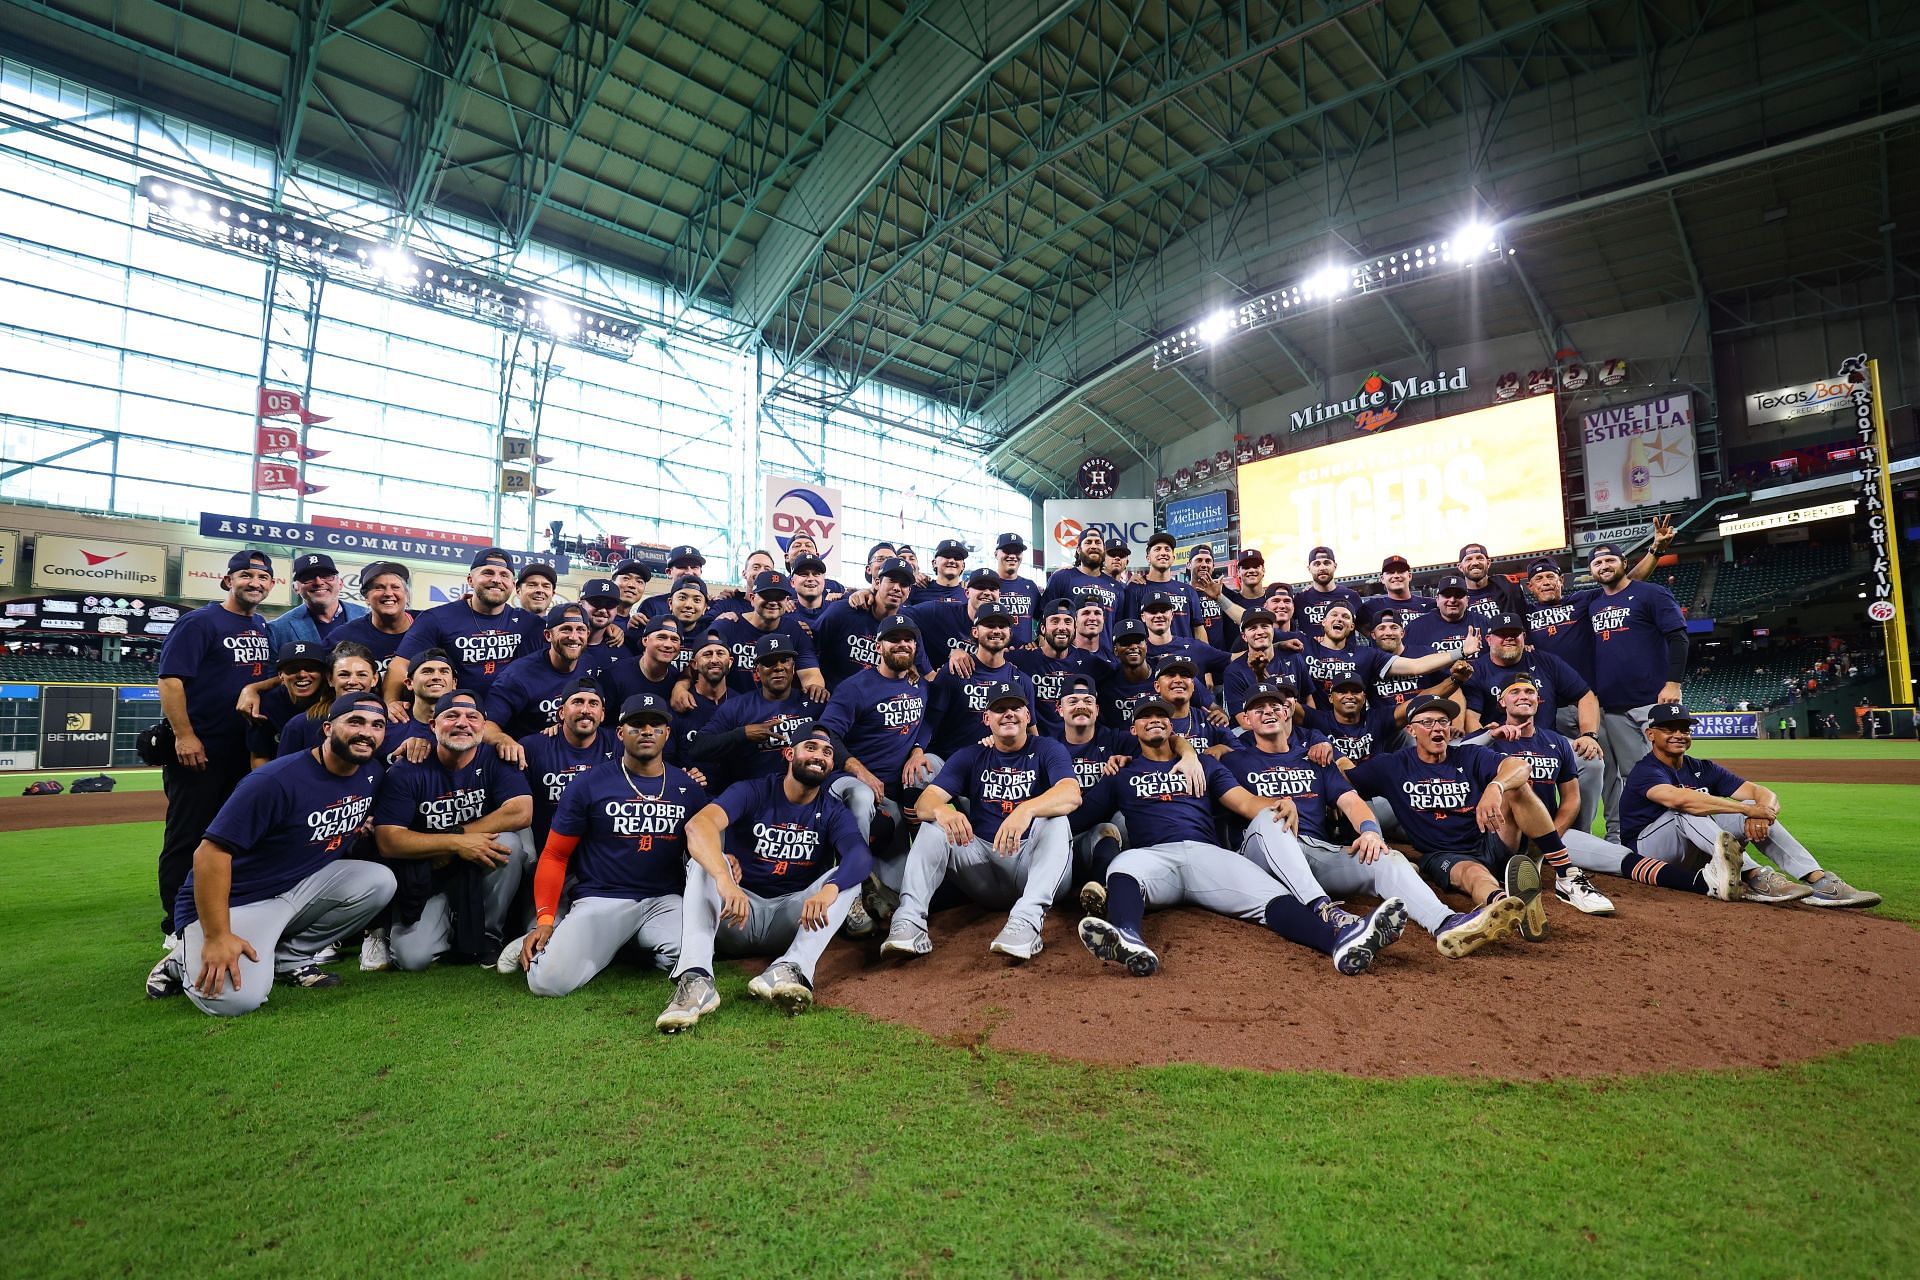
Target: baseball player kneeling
1301, 855
621, 831
761, 881
1176, 860
1011, 848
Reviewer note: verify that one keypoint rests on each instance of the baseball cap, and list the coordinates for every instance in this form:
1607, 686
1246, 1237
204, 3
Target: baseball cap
1079, 682
562, 612
1505, 622
455, 697
825, 735
685, 556
1268, 691
1320, 553
249, 560
425, 656
1010, 542
585, 684
1156, 601
1452, 582
1252, 556
1091, 531
771, 582
300, 653
905, 550
1088, 596
896, 568
776, 645
1152, 704
1432, 702
1395, 564
1196, 550
1279, 589
895, 625
994, 614
365, 699
1599, 549
984, 580
534, 569
626, 567
1002, 691
807, 562
1161, 536
689, 581
314, 564
490, 555
951, 549
664, 622
711, 640
875, 548
1379, 616
1057, 606
1351, 680
1543, 566
1331, 605
1174, 662
1518, 677
1669, 713
1128, 632
379, 567
600, 589
1258, 617
1118, 547
645, 706
1481, 547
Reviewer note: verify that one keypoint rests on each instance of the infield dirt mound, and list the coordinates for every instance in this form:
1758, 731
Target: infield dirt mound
1674, 981
20, 813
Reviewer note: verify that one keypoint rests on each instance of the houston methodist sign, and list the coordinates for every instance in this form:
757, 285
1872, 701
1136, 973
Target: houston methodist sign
796, 506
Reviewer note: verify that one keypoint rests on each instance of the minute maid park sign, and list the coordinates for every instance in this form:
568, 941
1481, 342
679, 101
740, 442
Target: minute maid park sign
1376, 402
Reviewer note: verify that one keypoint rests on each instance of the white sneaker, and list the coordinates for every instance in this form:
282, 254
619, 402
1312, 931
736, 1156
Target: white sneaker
376, 954
509, 957
327, 954
1578, 892
1722, 872
1019, 940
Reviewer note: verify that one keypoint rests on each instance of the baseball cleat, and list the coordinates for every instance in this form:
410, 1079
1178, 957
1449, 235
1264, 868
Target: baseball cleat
1764, 884
509, 958
311, 975
1465, 932
1019, 940
1093, 899
1574, 889
791, 990
905, 940
1722, 872
693, 998
376, 953
881, 901
1522, 881
860, 923
1356, 945
1122, 946
1831, 891
166, 978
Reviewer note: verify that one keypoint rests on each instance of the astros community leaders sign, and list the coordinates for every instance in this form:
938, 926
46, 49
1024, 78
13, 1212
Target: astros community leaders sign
287, 533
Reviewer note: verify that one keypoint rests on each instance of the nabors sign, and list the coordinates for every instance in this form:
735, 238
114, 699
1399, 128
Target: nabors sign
1377, 400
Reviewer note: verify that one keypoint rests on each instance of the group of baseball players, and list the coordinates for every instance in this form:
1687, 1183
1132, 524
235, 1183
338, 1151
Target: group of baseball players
541, 785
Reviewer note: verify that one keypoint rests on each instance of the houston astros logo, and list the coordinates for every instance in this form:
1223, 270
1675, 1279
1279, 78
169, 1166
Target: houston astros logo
801, 511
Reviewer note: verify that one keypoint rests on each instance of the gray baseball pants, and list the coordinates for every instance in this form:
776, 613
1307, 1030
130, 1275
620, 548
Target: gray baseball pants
1669, 836
592, 932
1590, 853
1312, 868
772, 927
1025, 883
863, 804
417, 945
1623, 736
1189, 871
1593, 773
289, 929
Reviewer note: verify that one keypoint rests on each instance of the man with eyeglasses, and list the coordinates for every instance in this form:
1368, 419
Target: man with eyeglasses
321, 612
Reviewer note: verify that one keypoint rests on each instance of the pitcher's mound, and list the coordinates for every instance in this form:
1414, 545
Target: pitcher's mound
1672, 981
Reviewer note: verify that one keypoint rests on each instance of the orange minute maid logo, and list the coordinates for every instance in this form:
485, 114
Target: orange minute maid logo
1374, 419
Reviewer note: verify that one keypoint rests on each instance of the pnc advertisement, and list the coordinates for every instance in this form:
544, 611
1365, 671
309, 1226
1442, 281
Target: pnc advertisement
1489, 476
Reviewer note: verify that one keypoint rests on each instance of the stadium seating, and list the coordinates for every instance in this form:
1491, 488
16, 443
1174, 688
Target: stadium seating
1683, 579
1778, 569
46, 670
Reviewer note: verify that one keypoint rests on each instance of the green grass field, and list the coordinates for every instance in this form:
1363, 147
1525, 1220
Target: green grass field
451, 1124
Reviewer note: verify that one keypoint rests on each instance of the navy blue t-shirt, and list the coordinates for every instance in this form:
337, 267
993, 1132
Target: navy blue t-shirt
1561, 629
1209, 660
844, 643
955, 705
1194, 726
945, 626
381, 644
740, 635
286, 820
1559, 684
1435, 803
1409, 610
1326, 664
276, 708
1551, 763
1285, 667
1355, 742
783, 847
302, 733
1119, 696
1065, 584
527, 696
1316, 789
880, 721
479, 646
1630, 630
1497, 597
1389, 692
431, 797
1636, 811
1434, 633
792, 716
1020, 597
633, 844
216, 653
933, 591
1155, 801
1049, 677
1186, 603
994, 782
1310, 605
552, 764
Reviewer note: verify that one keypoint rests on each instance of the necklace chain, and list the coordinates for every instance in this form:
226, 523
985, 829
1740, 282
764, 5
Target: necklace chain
638, 793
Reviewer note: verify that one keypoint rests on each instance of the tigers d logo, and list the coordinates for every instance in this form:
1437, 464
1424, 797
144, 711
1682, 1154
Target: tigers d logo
79, 721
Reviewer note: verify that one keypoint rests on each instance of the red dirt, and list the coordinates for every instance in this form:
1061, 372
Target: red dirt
1674, 981
1899, 772
20, 813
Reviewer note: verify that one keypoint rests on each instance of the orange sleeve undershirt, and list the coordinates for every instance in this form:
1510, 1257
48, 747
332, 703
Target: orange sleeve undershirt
551, 876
